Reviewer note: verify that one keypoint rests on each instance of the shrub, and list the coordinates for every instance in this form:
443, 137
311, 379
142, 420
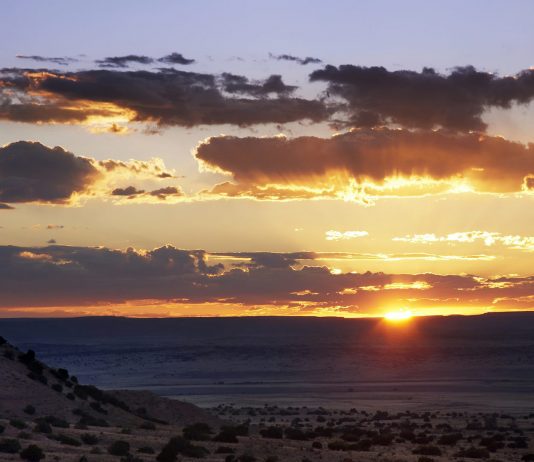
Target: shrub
9, 354
88, 438
2, 428
427, 451
119, 448
9, 446
147, 426
474, 453
198, 432
57, 387
450, 439
3, 341
272, 432
29, 409
70, 396
67, 440
63, 374
54, 421
27, 357
42, 427
24, 436
32, 453
180, 445
17, 424
146, 450
224, 450
246, 458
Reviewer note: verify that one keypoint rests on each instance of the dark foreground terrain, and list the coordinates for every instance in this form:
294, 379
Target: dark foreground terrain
50, 413
478, 363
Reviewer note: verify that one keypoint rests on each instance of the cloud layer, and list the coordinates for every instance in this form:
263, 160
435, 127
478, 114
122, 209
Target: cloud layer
33, 172
367, 163
375, 96
81, 276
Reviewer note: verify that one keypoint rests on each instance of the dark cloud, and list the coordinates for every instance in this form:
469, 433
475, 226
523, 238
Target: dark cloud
62, 61
238, 84
375, 96
128, 191
302, 61
74, 276
51, 241
166, 97
176, 58
362, 161
163, 193
32, 172
5, 206
124, 61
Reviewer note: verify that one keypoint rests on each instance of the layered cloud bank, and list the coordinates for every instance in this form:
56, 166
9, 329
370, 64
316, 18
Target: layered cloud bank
367, 163
32, 172
58, 276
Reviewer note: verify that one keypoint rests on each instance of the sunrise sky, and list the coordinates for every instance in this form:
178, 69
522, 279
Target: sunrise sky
186, 158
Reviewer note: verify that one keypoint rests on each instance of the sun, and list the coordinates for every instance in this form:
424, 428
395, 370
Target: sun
398, 315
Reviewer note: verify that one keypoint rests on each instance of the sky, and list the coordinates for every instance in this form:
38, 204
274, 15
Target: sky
204, 158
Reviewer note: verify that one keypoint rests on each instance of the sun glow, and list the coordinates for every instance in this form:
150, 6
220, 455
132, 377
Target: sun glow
398, 315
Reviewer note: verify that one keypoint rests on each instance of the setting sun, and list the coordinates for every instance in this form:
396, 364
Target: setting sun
398, 315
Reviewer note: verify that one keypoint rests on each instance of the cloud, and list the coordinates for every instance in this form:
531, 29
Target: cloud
364, 164
176, 58
166, 97
5, 206
128, 191
489, 239
83, 276
62, 61
33, 172
302, 61
375, 96
124, 61
334, 235
273, 84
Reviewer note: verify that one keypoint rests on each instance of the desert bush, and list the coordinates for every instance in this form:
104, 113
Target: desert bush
42, 427
295, 434
449, 439
9, 354
32, 453
29, 409
2, 428
147, 426
197, 432
54, 421
146, 450
473, 453
317, 445
224, 450
66, 440
246, 458
119, 448
272, 432
3, 341
427, 451
24, 436
229, 434
19, 424
9, 446
98, 408
180, 445
38, 378
126, 431
57, 387
27, 357
88, 438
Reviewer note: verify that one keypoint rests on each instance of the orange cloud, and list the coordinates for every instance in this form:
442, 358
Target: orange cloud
365, 164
